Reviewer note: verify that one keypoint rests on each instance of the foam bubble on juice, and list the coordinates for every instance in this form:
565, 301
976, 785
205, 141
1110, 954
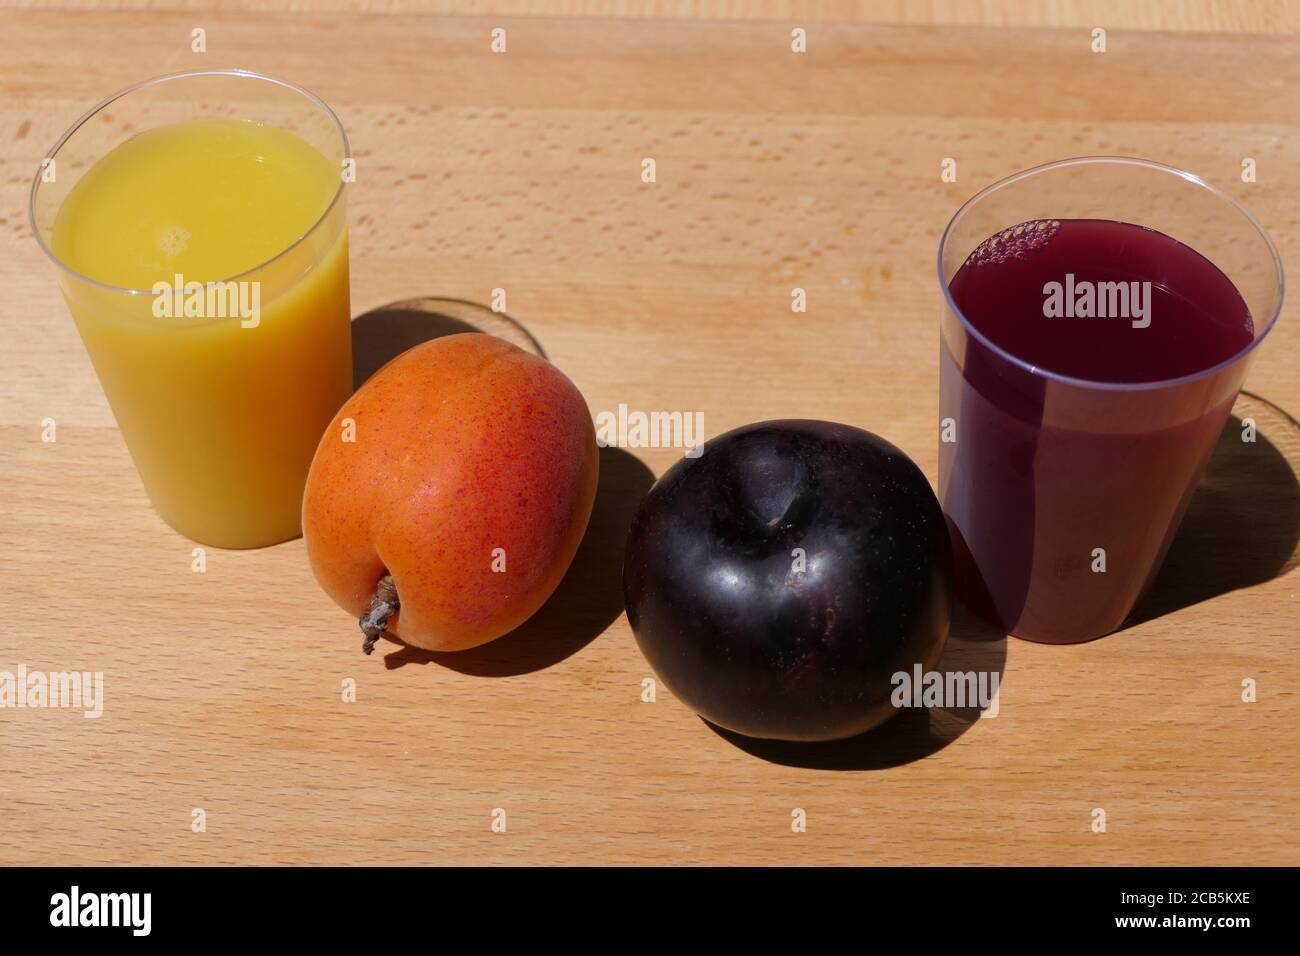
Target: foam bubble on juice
173, 241
1015, 242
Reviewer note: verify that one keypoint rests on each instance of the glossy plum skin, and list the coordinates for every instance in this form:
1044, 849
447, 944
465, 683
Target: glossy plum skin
746, 639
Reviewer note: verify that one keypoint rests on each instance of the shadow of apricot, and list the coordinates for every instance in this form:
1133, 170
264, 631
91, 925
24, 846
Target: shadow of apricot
913, 733
588, 599
386, 332
1243, 523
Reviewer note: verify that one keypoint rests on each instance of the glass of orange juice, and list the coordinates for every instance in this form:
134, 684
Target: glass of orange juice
198, 224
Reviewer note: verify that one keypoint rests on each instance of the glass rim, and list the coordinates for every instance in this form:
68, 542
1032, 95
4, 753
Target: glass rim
155, 81
1038, 371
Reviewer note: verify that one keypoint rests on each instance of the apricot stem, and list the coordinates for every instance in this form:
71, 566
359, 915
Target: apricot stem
383, 605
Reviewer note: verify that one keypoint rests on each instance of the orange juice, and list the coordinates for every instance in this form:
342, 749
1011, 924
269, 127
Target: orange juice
226, 365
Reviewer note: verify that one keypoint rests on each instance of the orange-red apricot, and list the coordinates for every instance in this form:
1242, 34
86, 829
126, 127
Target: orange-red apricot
466, 470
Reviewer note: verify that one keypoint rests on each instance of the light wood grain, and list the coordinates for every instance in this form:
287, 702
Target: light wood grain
1236, 16
522, 171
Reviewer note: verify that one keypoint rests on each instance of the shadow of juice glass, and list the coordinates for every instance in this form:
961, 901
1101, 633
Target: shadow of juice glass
198, 224
1100, 317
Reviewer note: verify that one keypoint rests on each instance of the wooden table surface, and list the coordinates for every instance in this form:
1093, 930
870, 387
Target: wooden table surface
522, 171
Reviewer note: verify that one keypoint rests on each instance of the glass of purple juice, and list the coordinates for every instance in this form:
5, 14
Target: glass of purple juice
1101, 315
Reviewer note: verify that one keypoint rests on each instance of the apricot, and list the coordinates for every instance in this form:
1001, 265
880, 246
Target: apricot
460, 476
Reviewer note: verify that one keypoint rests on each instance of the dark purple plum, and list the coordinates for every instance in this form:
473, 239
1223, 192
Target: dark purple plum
757, 639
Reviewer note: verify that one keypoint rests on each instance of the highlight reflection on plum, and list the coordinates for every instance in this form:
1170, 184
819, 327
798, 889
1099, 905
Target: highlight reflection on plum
777, 582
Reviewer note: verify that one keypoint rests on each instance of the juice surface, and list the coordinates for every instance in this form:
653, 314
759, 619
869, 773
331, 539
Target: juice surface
222, 420
1197, 318
209, 198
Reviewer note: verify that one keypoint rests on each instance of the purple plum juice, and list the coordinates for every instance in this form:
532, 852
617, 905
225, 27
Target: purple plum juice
1077, 417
